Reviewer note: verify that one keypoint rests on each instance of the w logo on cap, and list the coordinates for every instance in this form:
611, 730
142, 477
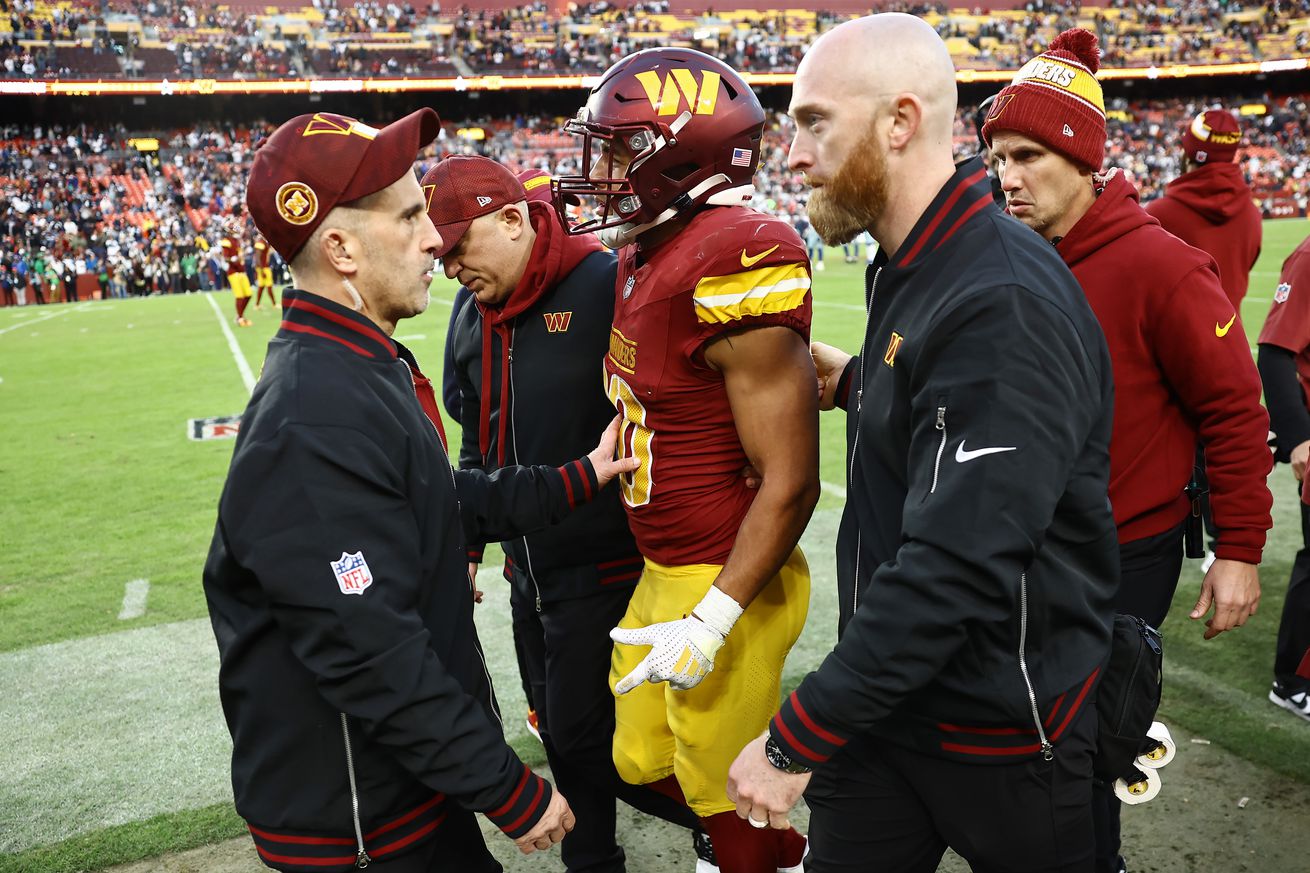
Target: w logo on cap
340, 125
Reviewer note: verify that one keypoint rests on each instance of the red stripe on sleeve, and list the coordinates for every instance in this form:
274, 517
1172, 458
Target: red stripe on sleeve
795, 743
530, 811
812, 725
509, 804
586, 480
568, 486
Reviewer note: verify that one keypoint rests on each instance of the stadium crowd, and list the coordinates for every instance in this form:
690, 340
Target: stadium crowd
154, 38
143, 222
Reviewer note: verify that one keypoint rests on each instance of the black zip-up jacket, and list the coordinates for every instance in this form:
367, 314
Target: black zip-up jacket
977, 554
350, 670
556, 408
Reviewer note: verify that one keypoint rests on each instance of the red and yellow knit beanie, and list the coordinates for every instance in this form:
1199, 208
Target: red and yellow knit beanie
1212, 136
1056, 99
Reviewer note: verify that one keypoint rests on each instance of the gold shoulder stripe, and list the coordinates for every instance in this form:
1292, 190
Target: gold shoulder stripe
767, 290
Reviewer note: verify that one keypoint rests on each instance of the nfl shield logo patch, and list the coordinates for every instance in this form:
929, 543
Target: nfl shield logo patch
352, 573
628, 286
1283, 291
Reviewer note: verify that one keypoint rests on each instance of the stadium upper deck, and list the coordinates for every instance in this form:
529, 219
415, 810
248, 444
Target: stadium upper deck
247, 39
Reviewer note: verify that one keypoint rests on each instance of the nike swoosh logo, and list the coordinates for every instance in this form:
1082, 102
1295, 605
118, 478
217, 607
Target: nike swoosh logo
1223, 331
962, 456
749, 262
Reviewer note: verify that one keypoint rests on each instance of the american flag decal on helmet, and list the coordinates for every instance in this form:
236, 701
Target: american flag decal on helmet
741, 157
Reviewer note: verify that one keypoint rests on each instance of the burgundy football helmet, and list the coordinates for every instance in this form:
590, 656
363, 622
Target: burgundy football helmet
688, 129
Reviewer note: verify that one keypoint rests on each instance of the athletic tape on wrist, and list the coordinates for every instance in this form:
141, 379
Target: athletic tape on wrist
718, 610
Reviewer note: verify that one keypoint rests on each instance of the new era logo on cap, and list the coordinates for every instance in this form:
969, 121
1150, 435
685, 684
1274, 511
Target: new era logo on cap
1068, 131
483, 201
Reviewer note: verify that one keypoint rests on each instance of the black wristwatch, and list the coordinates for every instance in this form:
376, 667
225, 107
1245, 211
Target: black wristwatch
780, 759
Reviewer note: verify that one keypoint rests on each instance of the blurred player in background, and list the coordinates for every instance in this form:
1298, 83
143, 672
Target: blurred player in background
235, 265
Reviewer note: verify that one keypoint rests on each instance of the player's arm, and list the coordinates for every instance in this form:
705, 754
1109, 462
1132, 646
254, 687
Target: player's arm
769, 377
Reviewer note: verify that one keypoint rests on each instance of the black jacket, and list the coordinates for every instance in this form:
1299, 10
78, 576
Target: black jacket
977, 557
555, 409
338, 593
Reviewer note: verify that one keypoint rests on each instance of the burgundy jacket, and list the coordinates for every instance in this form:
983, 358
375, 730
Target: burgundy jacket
1183, 374
1211, 208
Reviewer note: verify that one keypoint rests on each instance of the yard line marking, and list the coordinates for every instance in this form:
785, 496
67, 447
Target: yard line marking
413, 337
847, 306
443, 301
835, 490
244, 368
36, 320
134, 599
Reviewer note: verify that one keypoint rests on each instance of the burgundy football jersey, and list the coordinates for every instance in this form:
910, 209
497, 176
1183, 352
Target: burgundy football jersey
730, 268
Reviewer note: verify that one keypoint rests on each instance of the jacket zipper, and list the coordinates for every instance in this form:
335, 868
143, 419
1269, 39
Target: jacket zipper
941, 447
855, 442
362, 859
513, 397
1047, 749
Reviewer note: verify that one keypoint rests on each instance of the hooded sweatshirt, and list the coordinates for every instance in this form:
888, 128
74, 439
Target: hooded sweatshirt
1211, 208
1183, 373
529, 378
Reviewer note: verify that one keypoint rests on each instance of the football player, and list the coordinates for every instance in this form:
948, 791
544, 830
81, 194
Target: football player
708, 364
236, 268
263, 272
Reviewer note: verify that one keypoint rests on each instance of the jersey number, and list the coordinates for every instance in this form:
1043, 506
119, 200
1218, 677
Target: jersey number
635, 441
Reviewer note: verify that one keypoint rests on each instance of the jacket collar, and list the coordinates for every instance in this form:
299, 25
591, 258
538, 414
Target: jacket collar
306, 314
964, 195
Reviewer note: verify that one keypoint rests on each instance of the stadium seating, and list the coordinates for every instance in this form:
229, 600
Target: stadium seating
248, 39
63, 190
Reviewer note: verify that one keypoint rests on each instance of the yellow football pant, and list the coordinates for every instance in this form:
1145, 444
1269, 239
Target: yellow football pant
697, 734
264, 277
240, 283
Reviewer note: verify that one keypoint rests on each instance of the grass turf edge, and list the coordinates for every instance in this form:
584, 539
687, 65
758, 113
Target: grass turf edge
133, 841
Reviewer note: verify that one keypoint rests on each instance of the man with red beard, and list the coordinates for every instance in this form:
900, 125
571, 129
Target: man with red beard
1182, 368
524, 353
976, 556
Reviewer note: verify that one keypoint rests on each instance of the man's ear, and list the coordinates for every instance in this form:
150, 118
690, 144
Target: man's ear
515, 218
340, 249
907, 116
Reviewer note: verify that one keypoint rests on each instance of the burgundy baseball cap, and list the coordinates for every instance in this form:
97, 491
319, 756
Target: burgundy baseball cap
462, 188
1212, 136
316, 162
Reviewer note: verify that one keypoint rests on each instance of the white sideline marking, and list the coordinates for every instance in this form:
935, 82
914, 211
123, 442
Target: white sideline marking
37, 320
244, 368
443, 301
413, 337
835, 490
134, 599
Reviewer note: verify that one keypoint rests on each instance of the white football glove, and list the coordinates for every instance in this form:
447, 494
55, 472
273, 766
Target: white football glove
682, 651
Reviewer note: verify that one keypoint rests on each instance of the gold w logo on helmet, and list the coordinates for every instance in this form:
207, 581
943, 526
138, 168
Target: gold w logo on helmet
329, 122
666, 93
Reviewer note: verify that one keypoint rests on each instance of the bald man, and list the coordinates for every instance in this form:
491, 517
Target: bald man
976, 557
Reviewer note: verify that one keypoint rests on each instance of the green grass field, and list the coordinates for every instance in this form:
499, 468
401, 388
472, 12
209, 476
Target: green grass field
114, 746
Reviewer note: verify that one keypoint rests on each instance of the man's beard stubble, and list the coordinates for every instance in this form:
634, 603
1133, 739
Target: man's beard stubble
854, 199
